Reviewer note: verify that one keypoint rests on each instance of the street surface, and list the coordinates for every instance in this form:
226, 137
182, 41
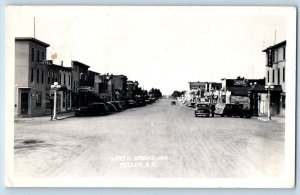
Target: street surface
158, 140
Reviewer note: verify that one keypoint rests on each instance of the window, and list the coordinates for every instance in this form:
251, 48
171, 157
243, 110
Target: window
64, 79
283, 53
37, 76
32, 75
275, 56
32, 54
59, 78
70, 80
48, 77
278, 76
42, 76
38, 56
43, 55
52, 77
268, 76
38, 100
283, 74
273, 76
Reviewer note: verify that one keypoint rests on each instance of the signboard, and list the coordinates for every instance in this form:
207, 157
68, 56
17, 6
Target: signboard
239, 82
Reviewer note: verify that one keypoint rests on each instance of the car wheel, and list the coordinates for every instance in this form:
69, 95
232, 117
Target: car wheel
222, 115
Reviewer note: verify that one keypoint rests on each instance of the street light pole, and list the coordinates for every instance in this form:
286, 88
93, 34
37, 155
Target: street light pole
55, 87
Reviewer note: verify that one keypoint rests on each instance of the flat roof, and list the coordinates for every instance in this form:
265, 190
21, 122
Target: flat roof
31, 39
80, 63
275, 46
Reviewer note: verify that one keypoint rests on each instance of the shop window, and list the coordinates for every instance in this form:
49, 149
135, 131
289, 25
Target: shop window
273, 76
38, 102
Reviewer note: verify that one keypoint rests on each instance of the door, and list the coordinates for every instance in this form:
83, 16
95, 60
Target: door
24, 103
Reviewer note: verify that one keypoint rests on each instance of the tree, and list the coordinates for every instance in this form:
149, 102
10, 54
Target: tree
176, 94
155, 93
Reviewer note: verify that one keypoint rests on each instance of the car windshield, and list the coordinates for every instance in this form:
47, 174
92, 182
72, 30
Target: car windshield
202, 106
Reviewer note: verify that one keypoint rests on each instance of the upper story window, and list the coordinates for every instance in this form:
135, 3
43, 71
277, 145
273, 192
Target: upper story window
64, 79
32, 54
37, 75
32, 75
283, 54
48, 77
42, 76
275, 56
38, 56
43, 55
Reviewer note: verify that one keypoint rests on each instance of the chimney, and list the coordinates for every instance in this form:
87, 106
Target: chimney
62, 63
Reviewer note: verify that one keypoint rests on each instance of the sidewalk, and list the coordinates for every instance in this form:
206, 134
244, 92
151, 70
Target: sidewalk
278, 119
60, 116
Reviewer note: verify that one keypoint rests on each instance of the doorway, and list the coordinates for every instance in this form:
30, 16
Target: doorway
24, 103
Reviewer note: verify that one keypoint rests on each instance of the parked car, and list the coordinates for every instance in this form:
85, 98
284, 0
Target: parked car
111, 107
173, 102
123, 104
147, 101
117, 105
131, 104
202, 109
232, 110
92, 109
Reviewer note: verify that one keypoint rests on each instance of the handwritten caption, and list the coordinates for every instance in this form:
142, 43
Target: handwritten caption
139, 161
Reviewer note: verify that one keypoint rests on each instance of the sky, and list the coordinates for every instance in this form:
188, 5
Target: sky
160, 47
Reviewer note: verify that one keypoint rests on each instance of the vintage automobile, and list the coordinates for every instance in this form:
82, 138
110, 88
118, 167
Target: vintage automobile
232, 110
202, 109
131, 104
111, 107
117, 105
92, 109
173, 102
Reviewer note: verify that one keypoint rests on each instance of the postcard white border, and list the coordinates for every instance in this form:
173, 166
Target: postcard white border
287, 181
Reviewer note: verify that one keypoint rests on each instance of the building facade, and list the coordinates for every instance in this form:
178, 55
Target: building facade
30, 76
275, 76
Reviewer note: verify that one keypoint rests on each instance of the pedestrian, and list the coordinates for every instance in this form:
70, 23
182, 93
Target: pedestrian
212, 108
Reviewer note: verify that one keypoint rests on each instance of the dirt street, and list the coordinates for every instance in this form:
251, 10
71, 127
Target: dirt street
158, 140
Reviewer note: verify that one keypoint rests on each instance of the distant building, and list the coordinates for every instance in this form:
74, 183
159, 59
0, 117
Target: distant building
238, 91
211, 91
80, 75
118, 87
196, 91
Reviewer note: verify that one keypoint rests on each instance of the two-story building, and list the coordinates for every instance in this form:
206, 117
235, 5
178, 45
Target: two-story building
275, 76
